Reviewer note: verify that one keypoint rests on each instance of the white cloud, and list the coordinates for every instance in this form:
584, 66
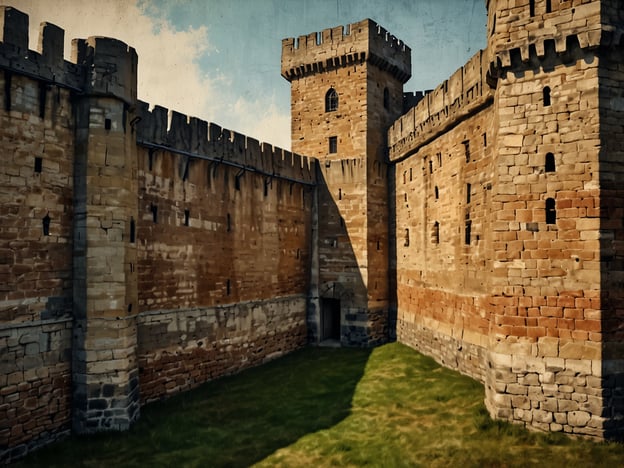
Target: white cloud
169, 71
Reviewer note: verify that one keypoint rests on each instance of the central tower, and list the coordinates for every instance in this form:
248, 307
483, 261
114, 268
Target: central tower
346, 91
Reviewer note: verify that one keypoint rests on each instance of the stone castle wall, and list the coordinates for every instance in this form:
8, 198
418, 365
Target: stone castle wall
127, 241
508, 284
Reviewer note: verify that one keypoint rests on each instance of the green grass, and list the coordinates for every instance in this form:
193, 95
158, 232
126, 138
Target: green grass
389, 407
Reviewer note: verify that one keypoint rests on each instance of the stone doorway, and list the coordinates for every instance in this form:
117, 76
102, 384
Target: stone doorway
330, 319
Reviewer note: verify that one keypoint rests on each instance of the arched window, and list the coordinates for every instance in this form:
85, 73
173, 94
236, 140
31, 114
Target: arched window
551, 212
549, 164
386, 99
331, 100
546, 92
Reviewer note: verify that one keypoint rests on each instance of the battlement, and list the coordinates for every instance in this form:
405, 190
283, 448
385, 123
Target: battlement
343, 46
465, 92
46, 64
523, 33
100, 65
171, 130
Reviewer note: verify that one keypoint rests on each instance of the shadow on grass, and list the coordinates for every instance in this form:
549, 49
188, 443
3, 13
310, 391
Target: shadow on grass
233, 421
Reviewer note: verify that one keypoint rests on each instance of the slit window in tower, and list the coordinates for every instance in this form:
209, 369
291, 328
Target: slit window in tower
46, 225
406, 244
38, 164
468, 190
466, 144
155, 214
551, 212
333, 144
386, 98
546, 95
435, 235
187, 217
548, 6
467, 232
549, 164
436, 191
107, 124
132, 230
531, 7
331, 100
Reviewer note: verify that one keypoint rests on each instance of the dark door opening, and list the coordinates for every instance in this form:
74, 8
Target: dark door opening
330, 319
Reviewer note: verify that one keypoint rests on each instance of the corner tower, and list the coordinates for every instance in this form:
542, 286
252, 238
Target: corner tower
346, 91
555, 353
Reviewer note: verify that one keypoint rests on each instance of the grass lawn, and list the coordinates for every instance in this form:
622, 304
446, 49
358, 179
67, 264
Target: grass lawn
386, 407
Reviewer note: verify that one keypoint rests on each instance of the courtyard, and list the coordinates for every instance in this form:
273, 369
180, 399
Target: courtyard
387, 407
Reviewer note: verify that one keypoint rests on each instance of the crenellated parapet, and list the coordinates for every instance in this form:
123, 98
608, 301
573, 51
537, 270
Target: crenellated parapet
160, 128
47, 63
534, 31
100, 66
464, 93
337, 47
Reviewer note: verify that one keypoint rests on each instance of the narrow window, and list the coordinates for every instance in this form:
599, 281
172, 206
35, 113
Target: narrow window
551, 212
466, 144
228, 287
435, 235
437, 192
531, 7
237, 184
132, 230
430, 167
410, 174
548, 6
405, 177
468, 190
467, 232
150, 159
229, 223
406, 238
546, 93
298, 254
339, 194
378, 245
439, 159
7, 91
43, 89
485, 140
331, 100
549, 165
386, 99
46, 225
38, 164
187, 216
107, 124
333, 144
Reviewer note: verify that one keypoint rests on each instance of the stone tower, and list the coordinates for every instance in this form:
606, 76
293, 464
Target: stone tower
346, 91
105, 371
555, 353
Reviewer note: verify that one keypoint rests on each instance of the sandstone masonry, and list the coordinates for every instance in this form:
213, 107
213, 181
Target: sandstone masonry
144, 252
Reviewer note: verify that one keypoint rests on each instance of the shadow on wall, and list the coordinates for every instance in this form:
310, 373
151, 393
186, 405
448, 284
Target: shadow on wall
611, 245
344, 312
233, 421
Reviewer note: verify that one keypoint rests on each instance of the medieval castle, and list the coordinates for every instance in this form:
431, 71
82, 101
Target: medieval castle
143, 252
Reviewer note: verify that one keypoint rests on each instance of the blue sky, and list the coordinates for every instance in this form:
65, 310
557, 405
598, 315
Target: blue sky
219, 60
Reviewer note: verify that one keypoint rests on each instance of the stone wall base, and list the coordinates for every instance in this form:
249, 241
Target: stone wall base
181, 349
448, 351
